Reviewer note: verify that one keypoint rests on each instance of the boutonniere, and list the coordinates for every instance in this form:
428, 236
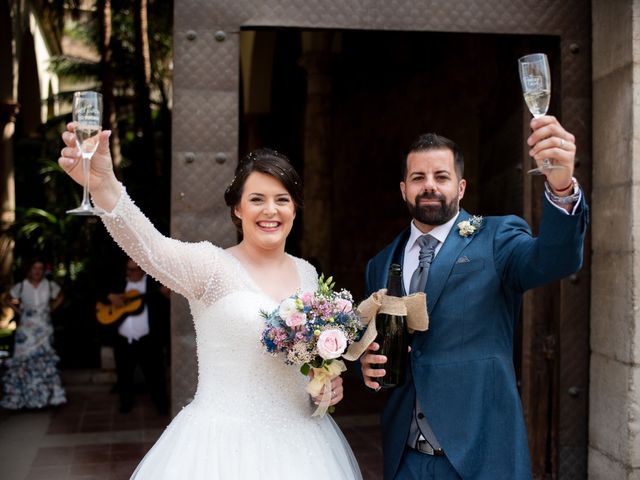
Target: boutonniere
466, 228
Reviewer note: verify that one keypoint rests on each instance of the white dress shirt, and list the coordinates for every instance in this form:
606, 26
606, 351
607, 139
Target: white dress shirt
135, 327
412, 249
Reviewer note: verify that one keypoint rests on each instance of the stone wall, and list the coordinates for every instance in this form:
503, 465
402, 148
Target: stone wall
614, 425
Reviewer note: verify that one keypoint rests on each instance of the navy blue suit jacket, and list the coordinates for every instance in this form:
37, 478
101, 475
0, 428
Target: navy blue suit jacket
462, 367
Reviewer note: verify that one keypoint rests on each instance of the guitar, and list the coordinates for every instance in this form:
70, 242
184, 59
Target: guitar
108, 314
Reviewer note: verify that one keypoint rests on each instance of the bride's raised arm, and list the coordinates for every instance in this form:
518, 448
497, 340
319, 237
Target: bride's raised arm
183, 267
186, 268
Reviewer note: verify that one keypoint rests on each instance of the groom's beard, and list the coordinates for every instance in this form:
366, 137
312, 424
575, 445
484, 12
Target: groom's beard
433, 214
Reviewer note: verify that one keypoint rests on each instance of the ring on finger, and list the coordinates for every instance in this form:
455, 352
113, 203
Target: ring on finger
562, 143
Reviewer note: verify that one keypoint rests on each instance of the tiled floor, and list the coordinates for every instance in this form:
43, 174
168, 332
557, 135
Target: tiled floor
89, 439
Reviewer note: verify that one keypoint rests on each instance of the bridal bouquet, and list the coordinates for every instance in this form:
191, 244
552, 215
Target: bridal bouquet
313, 330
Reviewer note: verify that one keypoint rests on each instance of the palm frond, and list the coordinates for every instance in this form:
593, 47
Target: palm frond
74, 68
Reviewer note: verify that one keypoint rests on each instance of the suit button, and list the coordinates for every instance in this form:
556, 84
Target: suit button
417, 353
421, 415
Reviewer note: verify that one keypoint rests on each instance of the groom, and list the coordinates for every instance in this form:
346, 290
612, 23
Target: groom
458, 414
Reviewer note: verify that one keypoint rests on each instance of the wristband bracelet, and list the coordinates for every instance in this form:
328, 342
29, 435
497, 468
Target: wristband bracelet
562, 189
569, 199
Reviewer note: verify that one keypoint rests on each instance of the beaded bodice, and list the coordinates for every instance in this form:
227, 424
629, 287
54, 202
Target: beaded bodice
235, 376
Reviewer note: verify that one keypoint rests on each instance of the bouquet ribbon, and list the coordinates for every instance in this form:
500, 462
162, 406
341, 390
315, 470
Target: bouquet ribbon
322, 377
414, 306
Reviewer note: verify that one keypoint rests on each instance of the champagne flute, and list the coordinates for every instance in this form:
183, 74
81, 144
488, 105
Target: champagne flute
536, 87
87, 125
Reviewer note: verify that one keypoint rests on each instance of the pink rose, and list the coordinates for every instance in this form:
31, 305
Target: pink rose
296, 319
307, 298
331, 344
343, 305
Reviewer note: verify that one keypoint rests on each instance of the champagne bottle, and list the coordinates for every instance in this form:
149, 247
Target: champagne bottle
392, 335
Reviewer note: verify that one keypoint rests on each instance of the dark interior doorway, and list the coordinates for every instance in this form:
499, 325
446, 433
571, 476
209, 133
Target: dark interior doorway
383, 89
376, 91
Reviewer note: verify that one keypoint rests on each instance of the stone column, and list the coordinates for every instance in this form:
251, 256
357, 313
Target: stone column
318, 171
614, 418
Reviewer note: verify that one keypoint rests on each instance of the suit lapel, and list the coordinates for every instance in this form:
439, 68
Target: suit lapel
394, 253
440, 268
443, 263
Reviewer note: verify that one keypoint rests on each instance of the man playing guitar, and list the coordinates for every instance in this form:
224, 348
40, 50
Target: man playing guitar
141, 336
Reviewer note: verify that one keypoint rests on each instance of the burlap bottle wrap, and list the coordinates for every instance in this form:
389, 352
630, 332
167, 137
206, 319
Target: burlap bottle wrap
414, 306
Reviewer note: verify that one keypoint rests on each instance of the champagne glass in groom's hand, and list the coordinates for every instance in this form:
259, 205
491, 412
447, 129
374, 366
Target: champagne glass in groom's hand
535, 78
87, 125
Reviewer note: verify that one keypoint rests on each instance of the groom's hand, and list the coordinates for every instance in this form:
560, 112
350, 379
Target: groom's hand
369, 372
549, 140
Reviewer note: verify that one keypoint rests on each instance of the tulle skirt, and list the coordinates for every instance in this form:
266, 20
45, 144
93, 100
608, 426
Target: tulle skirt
201, 443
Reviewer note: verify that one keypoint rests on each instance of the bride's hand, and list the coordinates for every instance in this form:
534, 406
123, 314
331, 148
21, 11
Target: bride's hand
101, 164
103, 184
337, 392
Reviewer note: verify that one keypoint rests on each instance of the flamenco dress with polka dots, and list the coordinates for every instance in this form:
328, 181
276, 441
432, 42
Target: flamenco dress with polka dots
251, 416
31, 378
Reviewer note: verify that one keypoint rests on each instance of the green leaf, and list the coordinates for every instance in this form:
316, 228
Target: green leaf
305, 369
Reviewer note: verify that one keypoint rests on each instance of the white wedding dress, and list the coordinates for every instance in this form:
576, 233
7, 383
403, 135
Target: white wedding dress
251, 416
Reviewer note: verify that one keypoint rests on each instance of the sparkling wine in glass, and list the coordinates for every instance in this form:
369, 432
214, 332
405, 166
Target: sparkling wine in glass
535, 78
87, 124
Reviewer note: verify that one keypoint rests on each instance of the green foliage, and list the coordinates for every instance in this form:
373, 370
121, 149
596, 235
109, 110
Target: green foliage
43, 192
325, 286
82, 256
85, 29
74, 68
50, 233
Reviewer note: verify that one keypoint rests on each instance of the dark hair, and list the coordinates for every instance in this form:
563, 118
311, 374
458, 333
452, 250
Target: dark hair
433, 141
269, 162
28, 265
31, 262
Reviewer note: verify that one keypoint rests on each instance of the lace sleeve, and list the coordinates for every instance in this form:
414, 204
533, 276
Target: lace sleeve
185, 268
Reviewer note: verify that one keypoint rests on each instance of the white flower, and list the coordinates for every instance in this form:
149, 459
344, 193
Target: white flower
287, 308
470, 227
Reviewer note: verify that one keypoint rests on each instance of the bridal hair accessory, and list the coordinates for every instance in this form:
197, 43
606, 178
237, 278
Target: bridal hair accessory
252, 156
414, 306
466, 228
313, 330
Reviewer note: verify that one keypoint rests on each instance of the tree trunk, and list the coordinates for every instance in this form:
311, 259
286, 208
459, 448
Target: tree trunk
109, 107
142, 78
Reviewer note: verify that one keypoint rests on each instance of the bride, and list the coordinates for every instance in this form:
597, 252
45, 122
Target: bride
250, 417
